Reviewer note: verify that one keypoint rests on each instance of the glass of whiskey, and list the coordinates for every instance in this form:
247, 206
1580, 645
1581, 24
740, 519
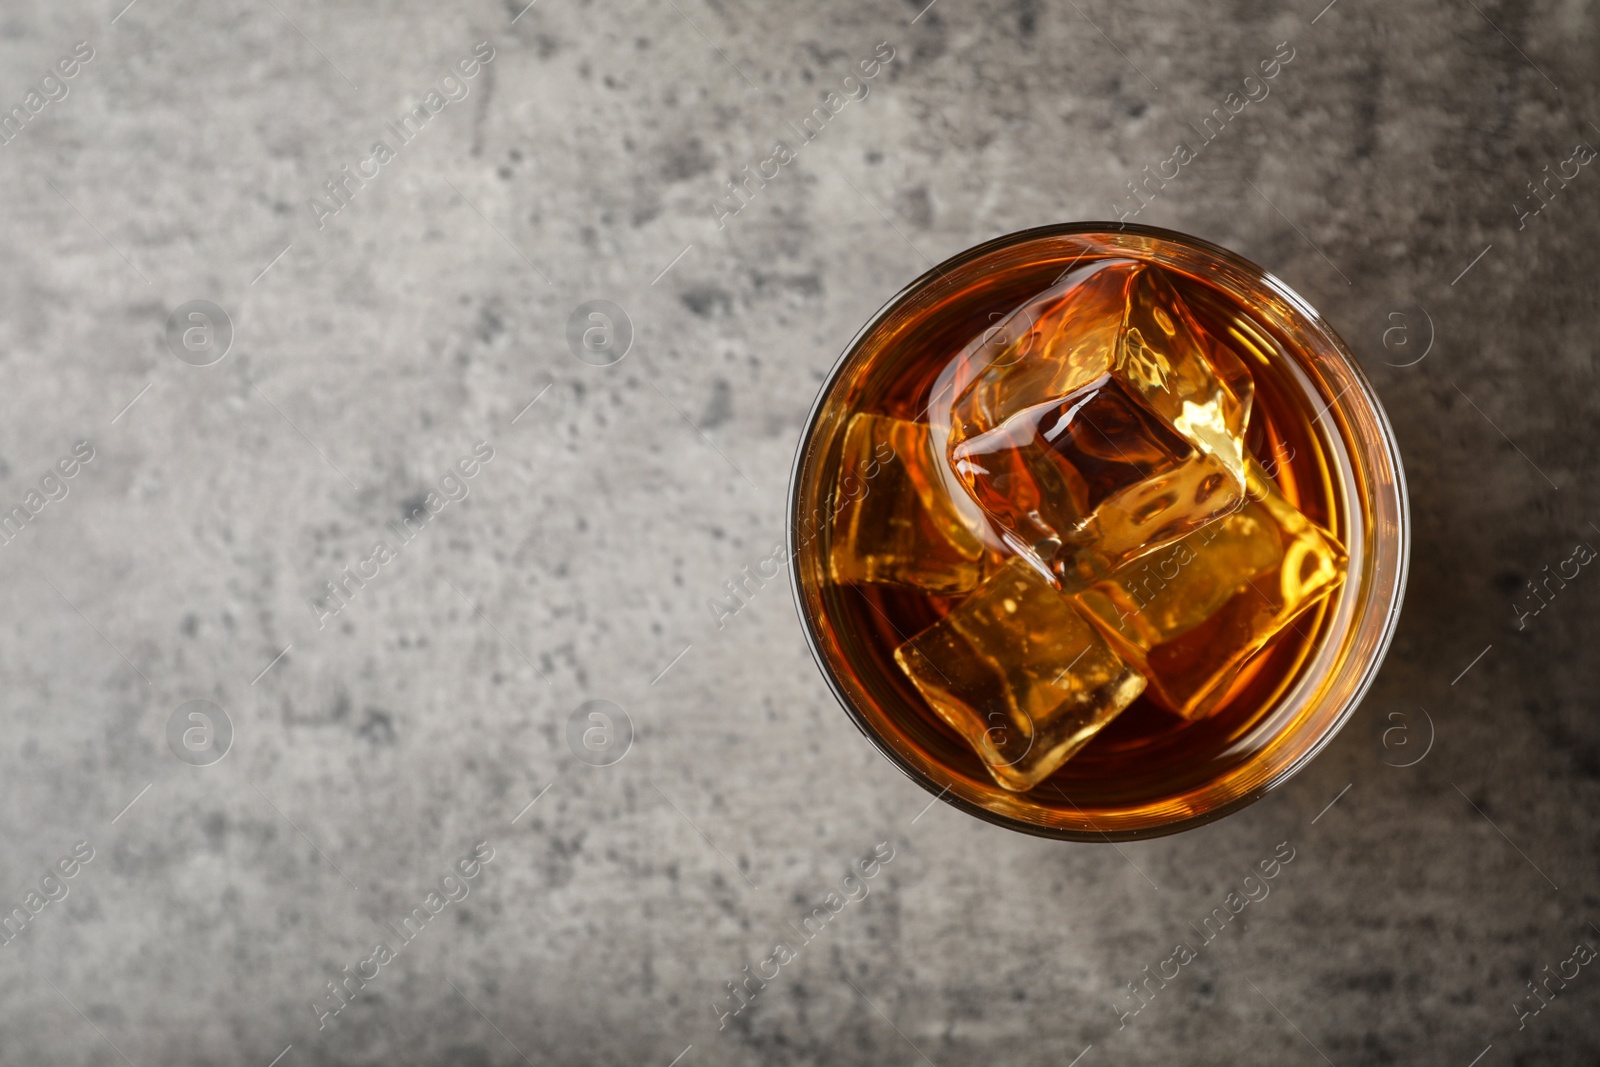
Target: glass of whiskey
1098, 532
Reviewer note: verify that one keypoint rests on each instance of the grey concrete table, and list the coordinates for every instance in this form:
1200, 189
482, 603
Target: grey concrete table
381, 397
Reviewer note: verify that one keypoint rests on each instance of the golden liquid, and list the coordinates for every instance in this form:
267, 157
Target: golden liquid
1147, 761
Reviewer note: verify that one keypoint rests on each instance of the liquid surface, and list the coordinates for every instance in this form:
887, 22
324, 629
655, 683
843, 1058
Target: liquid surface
1090, 537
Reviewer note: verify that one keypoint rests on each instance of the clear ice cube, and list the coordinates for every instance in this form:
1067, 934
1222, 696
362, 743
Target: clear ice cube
1097, 423
1190, 616
899, 525
1019, 673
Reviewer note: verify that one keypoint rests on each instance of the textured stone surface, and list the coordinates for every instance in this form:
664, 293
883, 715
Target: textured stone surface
420, 319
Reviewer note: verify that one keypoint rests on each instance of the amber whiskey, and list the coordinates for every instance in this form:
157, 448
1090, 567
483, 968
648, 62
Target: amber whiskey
1100, 538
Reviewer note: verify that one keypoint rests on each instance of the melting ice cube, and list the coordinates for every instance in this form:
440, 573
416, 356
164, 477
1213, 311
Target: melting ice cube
898, 524
1018, 673
1191, 615
1104, 423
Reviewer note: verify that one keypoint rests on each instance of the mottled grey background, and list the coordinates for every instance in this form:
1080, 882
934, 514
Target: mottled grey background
425, 316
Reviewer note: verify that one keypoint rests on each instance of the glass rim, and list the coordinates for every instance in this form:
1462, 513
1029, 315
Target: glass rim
1383, 615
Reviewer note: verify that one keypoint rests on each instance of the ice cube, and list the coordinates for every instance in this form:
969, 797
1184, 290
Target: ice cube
1019, 673
1190, 615
898, 524
1102, 424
